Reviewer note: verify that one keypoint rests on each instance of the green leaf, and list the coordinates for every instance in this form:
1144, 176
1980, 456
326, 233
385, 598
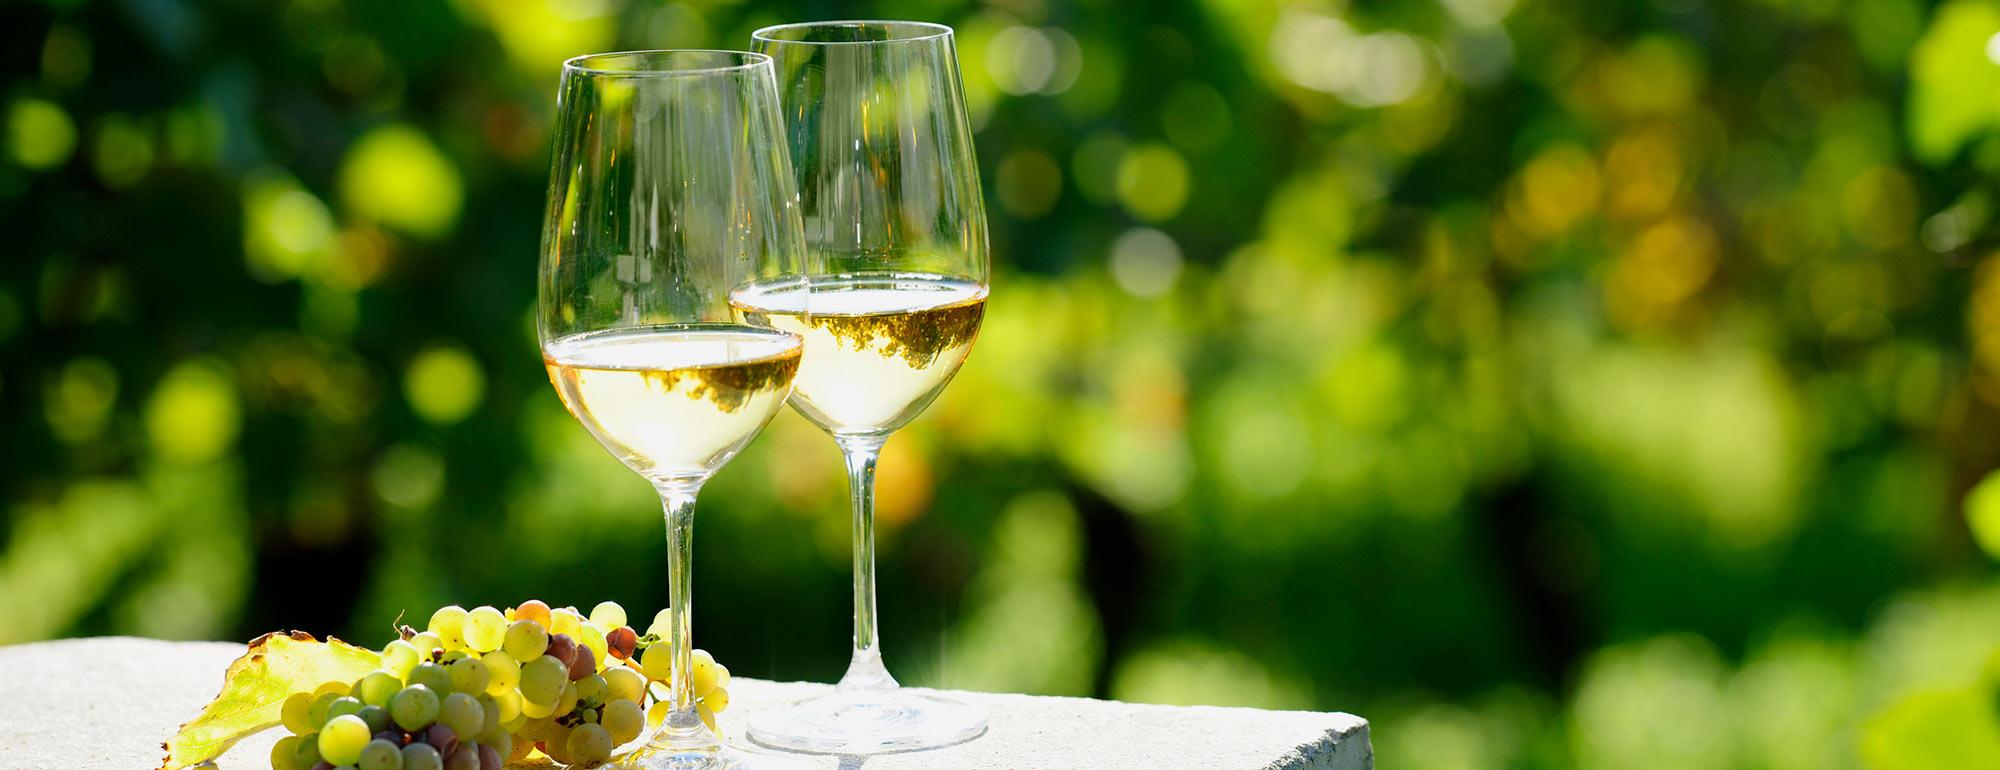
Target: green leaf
1955, 87
256, 686
1939, 730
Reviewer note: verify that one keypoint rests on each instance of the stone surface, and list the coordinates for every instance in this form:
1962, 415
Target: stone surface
106, 704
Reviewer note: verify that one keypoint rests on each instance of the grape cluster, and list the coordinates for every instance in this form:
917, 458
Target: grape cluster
480, 688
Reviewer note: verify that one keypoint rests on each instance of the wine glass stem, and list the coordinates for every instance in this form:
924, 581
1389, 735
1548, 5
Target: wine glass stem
865, 671
683, 724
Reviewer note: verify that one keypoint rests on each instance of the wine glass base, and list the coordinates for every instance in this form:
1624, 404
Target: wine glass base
873, 722
722, 759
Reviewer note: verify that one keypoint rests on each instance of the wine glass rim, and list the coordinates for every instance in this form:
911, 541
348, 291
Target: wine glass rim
745, 60
932, 31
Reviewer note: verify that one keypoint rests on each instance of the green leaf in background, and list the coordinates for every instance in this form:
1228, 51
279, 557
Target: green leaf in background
1938, 730
1955, 82
255, 687
1982, 514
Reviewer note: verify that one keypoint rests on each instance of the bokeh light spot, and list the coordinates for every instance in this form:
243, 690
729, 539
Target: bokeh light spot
39, 133
409, 476
1153, 182
79, 401
1982, 514
444, 384
193, 415
286, 230
1145, 262
395, 175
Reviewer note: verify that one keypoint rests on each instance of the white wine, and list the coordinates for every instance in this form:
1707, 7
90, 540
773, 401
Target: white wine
879, 347
674, 402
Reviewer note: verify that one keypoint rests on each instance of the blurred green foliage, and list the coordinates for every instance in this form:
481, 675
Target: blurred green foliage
1566, 384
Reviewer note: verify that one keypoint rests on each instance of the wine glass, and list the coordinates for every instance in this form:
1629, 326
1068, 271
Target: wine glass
895, 288
671, 194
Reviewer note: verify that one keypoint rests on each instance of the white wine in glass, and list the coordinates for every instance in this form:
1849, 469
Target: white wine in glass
882, 346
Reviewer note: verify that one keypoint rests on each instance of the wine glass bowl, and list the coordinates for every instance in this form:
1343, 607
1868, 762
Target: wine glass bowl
670, 193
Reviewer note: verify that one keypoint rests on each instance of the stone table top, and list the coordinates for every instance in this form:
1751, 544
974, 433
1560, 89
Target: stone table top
107, 703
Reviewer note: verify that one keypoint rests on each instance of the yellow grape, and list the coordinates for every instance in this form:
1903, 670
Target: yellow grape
534, 611
503, 674
566, 622
625, 683
535, 710
607, 616
296, 714
704, 673
624, 720
592, 638
485, 629
590, 744
509, 704
568, 700
707, 718
337, 688
449, 625
657, 715
657, 662
717, 700
285, 755
526, 640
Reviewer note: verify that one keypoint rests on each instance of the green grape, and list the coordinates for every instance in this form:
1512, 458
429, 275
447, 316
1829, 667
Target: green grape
308, 751
491, 710
380, 754
590, 744
422, 756
344, 705
415, 708
426, 643
377, 688
453, 656
624, 719
704, 673
342, 740
625, 683
716, 700
462, 714
542, 680
431, 675
468, 675
316, 713
660, 624
593, 640
658, 663
377, 718
593, 689
485, 629
508, 703
566, 621
525, 640
398, 657
502, 673
607, 616
285, 754
567, 702
297, 713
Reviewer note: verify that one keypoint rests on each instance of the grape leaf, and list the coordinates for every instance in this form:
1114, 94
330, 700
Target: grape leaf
255, 687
